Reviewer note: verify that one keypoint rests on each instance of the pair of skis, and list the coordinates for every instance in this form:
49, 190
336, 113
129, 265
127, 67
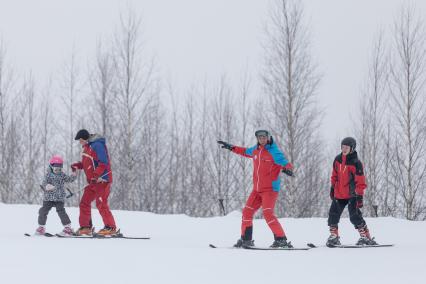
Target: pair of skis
260, 248
94, 236
309, 246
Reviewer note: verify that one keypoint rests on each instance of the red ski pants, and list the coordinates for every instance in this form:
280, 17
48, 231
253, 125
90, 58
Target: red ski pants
100, 192
266, 200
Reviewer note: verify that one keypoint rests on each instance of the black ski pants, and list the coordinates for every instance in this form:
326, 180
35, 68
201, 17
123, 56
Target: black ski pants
60, 209
336, 210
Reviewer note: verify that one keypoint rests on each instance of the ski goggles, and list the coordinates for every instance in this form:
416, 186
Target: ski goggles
261, 133
56, 168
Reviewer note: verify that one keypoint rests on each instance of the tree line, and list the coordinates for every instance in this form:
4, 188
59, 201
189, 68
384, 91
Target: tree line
162, 141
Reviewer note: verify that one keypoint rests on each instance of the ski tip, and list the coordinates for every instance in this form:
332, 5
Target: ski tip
311, 245
212, 246
27, 235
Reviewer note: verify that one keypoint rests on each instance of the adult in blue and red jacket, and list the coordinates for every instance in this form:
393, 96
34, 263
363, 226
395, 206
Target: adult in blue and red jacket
268, 161
97, 167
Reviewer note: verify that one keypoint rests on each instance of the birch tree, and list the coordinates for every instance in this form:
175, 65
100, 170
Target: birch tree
134, 72
372, 132
291, 81
408, 75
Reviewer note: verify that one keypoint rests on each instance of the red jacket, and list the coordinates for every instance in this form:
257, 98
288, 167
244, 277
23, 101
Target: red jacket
347, 177
95, 160
268, 162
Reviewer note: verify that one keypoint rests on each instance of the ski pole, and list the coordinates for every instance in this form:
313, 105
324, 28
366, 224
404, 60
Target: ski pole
71, 194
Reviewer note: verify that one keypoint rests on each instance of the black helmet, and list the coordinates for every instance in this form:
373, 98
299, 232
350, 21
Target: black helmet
83, 134
349, 141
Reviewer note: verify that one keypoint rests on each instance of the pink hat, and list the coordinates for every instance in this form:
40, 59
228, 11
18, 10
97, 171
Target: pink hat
56, 159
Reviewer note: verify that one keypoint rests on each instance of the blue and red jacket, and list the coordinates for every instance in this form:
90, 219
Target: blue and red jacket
268, 161
95, 160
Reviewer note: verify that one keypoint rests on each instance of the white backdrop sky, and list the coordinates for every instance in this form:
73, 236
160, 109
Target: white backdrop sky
197, 39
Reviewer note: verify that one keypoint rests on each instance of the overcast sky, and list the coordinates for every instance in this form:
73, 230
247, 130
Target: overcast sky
197, 39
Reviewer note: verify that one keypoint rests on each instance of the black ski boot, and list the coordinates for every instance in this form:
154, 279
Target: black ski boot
246, 239
334, 239
281, 242
364, 241
365, 238
244, 243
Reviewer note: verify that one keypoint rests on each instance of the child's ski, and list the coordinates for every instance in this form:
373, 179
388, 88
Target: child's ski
351, 246
44, 235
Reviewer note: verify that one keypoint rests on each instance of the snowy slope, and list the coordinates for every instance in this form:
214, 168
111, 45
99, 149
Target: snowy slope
179, 253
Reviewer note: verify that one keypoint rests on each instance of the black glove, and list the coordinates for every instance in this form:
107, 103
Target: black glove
331, 192
288, 172
359, 201
226, 145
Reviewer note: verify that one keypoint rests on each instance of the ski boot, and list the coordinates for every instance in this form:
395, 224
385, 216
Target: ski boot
67, 231
107, 231
281, 242
365, 238
84, 231
40, 231
244, 243
334, 239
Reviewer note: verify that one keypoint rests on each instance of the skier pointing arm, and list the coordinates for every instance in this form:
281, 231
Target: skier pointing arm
276, 153
268, 161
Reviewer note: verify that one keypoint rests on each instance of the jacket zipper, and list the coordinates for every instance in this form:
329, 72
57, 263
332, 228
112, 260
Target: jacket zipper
258, 167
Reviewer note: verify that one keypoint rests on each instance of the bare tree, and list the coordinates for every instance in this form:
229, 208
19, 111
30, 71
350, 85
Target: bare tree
133, 96
71, 86
390, 192
371, 131
223, 127
7, 154
408, 75
243, 175
291, 80
32, 145
101, 89
174, 155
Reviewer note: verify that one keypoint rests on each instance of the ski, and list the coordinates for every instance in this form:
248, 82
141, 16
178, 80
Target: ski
44, 235
269, 248
73, 236
351, 246
213, 246
259, 248
96, 236
120, 236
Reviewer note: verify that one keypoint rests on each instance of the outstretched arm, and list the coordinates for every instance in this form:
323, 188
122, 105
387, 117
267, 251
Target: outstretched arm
245, 152
70, 178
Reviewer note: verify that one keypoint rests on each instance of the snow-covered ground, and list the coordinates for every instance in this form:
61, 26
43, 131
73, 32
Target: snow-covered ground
178, 252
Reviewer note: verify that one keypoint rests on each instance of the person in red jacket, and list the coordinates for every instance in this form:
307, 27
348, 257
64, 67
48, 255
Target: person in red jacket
347, 188
268, 162
96, 165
